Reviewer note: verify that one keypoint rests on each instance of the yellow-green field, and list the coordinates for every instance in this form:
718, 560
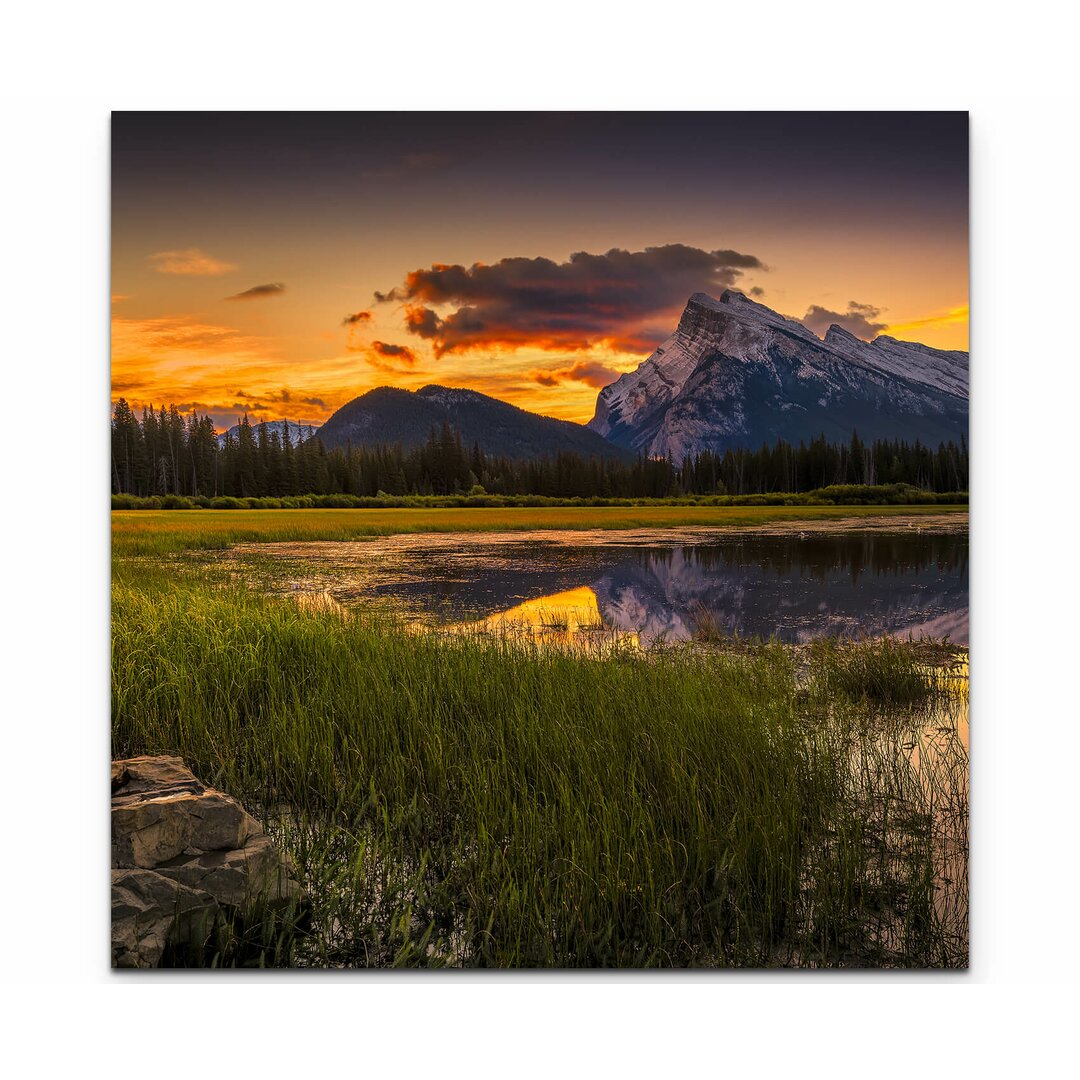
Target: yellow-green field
156, 532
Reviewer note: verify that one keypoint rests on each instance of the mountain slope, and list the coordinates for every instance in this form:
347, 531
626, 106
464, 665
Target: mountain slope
387, 415
737, 374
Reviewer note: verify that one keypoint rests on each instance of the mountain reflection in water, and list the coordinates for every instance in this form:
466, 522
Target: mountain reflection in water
793, 587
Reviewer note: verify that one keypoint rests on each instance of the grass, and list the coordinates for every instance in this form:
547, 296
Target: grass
835, 495
481, 802
160, 532
884, 671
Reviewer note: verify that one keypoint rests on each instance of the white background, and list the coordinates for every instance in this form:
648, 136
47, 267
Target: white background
66, 66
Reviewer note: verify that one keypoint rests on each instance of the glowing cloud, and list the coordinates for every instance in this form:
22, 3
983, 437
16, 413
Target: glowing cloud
590, 372
956, 316
191, 261
198, 364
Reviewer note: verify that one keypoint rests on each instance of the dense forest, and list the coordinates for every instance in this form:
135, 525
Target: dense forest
167, 453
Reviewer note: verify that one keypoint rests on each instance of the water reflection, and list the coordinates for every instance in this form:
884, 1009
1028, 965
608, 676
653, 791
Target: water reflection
570, 618
793, 587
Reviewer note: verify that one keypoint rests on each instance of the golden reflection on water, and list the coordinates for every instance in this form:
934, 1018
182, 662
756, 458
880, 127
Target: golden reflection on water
951, 715
953, 677
571, 619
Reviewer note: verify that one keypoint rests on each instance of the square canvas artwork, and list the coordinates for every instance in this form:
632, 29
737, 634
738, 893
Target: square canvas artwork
540, 540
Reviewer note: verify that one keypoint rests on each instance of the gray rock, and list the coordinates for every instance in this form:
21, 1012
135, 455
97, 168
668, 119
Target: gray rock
236, 878
150, 911
183, 854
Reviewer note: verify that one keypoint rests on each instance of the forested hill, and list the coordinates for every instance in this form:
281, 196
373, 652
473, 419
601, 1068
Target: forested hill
388, 416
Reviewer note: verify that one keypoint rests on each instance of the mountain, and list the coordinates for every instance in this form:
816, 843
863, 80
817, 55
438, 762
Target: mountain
388, 415
297, 430
737, 374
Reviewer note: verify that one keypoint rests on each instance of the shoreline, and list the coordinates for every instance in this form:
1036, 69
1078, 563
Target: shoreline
937, 524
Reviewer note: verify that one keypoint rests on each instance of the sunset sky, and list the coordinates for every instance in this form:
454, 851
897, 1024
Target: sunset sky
282, 264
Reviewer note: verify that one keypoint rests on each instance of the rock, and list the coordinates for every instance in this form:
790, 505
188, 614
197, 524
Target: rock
236, 877
150, 911
183, 854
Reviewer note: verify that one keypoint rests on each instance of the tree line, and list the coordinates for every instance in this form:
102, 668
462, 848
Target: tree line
167, 453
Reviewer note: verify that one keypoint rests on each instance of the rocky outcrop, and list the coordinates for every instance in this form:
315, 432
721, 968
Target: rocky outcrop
183, 855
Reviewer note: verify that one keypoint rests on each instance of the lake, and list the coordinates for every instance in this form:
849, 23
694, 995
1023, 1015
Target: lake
792, 583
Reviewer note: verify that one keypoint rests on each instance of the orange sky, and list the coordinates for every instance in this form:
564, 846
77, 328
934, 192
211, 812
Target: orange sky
228, 300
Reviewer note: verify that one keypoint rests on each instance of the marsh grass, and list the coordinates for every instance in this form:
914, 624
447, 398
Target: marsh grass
883, 670
707, 629
264, 935
484, 801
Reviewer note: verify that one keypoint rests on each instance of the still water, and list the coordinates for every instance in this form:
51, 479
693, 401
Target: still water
652, 586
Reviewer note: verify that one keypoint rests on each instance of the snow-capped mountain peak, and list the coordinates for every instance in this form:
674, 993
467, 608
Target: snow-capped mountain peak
737, 373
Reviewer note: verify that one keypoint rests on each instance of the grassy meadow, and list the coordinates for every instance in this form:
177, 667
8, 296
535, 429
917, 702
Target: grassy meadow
472, 801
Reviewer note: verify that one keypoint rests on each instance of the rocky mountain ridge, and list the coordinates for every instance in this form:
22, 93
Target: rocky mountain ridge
735, 373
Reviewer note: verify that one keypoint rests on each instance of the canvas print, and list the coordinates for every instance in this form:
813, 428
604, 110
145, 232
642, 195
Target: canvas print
539, 540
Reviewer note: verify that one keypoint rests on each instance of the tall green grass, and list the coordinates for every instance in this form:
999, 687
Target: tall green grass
484, 803
885, 671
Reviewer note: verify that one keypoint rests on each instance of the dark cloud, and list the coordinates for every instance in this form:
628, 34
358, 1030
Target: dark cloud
387, 357
243, 395
284, 396
259, 292
588, 300
356, 317
757, 290
422, 321
856, 320
399, 352
589, 372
